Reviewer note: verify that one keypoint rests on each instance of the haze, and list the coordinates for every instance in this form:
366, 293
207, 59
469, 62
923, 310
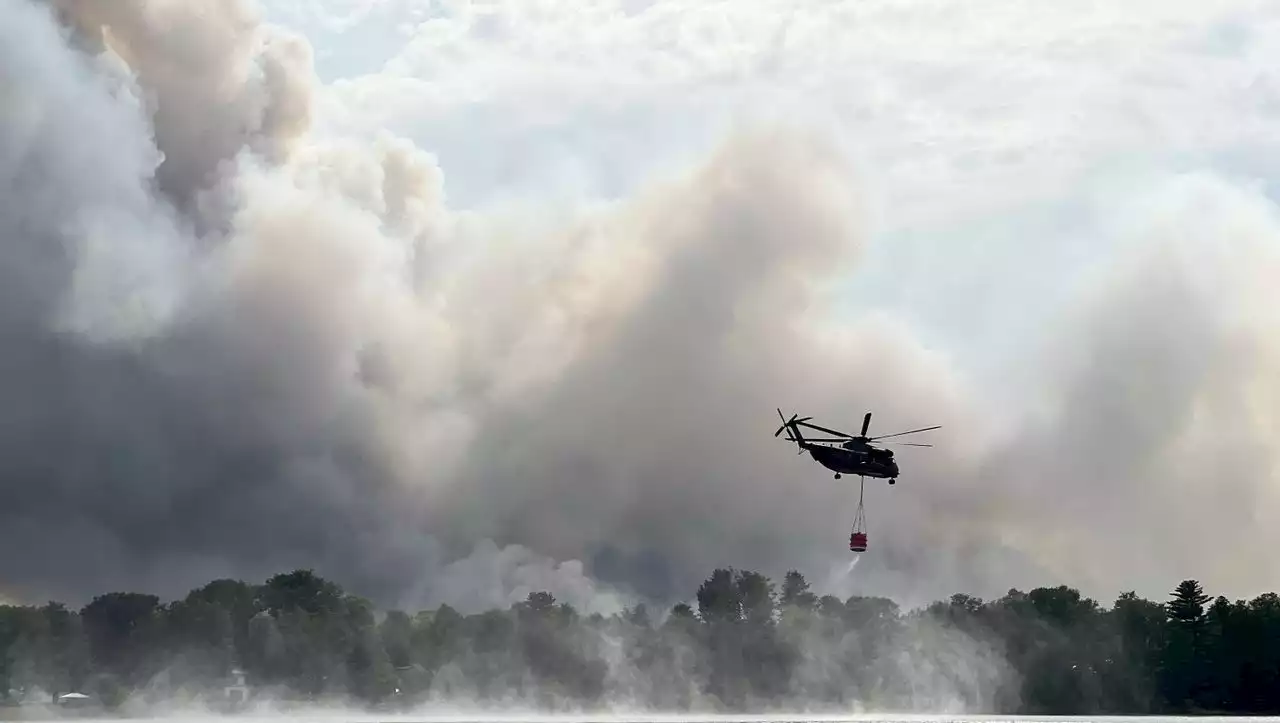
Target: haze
452, 302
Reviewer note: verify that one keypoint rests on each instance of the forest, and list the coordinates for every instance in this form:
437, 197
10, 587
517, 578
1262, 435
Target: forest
749, 644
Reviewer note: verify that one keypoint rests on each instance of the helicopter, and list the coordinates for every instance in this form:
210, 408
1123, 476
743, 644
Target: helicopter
855, 454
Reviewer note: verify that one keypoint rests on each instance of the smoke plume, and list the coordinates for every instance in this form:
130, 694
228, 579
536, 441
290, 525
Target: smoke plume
236, 345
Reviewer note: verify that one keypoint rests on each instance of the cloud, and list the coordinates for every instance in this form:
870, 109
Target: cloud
246, 339
960, 110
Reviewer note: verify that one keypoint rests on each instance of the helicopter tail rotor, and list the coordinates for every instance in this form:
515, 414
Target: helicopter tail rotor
790, 423
785, 422
793, 429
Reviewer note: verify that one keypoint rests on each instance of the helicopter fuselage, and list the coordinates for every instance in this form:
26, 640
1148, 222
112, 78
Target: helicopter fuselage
873, 463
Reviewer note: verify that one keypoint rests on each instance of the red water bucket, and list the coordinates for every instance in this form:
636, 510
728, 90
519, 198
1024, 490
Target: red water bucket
858, 542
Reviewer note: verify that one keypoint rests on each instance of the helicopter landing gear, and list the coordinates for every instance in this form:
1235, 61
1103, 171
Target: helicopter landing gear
837, 475
893, 481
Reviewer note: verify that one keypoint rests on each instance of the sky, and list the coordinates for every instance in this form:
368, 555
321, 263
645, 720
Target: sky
451, 301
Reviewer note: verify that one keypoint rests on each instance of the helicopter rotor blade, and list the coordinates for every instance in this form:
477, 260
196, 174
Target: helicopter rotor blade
866, 422
824, 429
908, 444
899, 434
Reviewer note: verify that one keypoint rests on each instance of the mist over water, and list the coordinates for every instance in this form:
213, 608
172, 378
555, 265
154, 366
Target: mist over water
464, 716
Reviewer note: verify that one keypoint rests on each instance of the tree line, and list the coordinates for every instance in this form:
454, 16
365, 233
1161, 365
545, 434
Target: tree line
747, 645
